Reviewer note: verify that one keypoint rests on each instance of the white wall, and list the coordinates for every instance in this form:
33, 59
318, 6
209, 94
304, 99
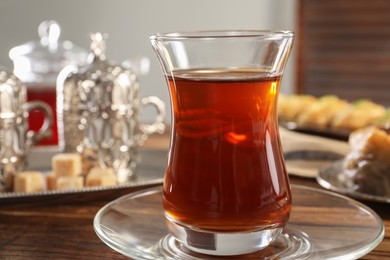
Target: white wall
129, 24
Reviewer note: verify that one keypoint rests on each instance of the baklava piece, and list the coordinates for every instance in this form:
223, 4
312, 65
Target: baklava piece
367, 165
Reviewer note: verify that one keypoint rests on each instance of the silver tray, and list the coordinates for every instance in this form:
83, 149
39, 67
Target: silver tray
149, 172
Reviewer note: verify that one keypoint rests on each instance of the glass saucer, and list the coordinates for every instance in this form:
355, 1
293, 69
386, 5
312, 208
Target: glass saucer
323, 225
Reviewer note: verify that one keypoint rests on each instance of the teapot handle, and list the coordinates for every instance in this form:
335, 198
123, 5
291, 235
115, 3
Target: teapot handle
45, 131
158, 126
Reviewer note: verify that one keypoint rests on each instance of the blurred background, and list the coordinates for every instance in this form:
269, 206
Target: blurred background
129, 24
341, 47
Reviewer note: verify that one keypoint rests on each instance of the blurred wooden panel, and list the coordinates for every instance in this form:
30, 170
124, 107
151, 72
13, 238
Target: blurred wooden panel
344, 48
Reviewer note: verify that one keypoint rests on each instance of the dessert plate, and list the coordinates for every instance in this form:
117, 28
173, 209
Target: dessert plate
328, 177
337, 134
323, 225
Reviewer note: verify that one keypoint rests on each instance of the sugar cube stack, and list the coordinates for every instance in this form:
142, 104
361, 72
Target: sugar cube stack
68, 172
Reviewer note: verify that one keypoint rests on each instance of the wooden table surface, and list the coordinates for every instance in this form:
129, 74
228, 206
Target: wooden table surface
60, 227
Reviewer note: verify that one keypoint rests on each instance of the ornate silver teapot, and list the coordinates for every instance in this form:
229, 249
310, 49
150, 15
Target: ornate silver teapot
98, 112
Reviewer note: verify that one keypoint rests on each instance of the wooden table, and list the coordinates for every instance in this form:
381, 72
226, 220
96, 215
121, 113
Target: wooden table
60, 227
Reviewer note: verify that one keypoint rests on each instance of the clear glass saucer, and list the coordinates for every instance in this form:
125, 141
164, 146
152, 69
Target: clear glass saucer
323, 225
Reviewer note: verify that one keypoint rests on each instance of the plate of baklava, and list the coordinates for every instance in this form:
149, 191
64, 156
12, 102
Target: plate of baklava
329, 115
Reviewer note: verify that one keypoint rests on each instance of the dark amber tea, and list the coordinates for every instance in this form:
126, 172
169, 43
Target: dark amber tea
225, 170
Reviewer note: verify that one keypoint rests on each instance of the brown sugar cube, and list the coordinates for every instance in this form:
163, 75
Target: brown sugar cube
101, 177
66, 164
28, 181
69, 183
51, 180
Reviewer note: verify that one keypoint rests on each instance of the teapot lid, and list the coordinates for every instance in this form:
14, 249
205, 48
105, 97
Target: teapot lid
47, 56
100, 83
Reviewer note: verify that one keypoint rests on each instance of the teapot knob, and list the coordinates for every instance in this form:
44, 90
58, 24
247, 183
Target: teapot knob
98, 45
49, 31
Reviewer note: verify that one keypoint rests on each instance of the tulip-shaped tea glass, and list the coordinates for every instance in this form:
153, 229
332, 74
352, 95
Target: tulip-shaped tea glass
226, 191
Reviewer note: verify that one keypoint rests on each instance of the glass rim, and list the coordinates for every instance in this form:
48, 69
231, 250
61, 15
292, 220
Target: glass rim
222, 34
